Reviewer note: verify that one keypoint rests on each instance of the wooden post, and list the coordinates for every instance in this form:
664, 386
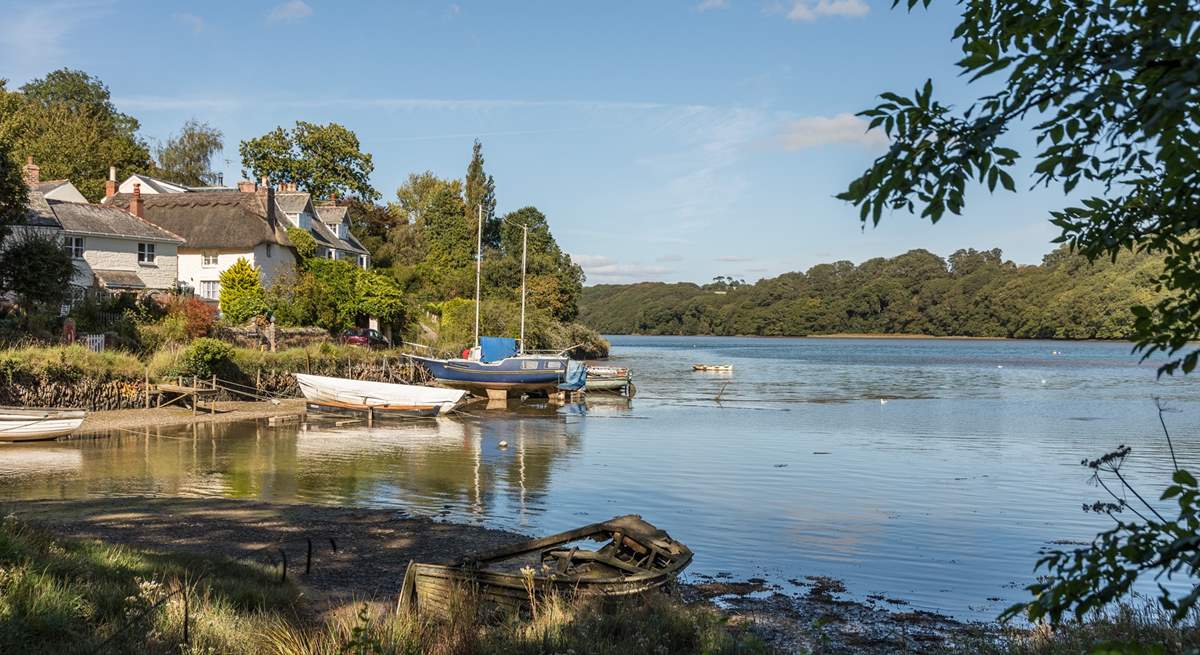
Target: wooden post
147, 387
258, 383
212, 404
194, 395
370, 417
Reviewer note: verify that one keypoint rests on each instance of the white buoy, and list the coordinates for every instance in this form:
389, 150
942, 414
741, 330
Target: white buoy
503, 444
999, 366
1043, 382
883, 401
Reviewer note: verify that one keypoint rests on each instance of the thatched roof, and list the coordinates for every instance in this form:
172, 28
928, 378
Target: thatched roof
213, 219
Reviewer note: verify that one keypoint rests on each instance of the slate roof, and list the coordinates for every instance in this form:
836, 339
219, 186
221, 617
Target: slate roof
292, 202
213, 219
49, 185
330, 215
105, 220
38, 212
119, 279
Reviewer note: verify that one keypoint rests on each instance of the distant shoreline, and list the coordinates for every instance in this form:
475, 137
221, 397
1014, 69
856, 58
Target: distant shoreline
864, 335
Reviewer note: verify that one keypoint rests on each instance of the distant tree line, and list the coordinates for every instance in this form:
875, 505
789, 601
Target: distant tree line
971, 293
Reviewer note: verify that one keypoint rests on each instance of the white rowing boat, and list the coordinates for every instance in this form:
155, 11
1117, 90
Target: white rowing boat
37, 424
717, 368
387, 397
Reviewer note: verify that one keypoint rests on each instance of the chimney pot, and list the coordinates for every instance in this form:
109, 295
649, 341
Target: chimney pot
135, 203
246, 186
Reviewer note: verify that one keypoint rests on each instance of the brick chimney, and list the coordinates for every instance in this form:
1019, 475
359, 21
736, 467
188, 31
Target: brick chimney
135, 203
246, 186
110, 185
31, 173
266, 193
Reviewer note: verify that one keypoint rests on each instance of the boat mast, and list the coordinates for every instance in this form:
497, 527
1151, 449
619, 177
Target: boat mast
478, 266
524, 257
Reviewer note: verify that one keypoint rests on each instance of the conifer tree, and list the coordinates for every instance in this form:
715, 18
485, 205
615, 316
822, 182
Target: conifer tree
481, 191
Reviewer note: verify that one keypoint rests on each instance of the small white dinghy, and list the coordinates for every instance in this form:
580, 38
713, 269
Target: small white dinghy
383, 397
37, 423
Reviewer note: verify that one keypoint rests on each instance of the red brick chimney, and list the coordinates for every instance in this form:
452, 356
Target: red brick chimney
110, 185
31, 173
246, 186
135, 203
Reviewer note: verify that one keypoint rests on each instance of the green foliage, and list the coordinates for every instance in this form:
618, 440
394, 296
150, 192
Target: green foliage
1115, 91
973, 293
35, 266
186, 158
242, 296
67, 363
66, 121
303, 241
414, 197
479, 192
322, 159
449, 234
335, 294
13, 192
206, 357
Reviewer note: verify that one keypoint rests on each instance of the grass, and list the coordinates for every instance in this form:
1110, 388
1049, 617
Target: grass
61, 597
70, 362
1136, 627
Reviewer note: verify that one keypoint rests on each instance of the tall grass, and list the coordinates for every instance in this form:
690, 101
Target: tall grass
69, 362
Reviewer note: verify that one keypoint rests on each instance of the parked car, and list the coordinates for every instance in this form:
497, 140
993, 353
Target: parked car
365, 338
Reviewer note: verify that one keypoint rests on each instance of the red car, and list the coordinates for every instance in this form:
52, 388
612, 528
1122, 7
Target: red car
365, 338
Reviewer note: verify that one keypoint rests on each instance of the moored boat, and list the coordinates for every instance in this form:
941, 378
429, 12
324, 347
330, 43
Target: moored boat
610, 378
497, 364
38, 424
637, 557
711, 368
384, 397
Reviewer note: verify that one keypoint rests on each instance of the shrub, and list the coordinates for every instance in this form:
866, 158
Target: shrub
206, 357
198, 316
303, 242
169, 331
242, 296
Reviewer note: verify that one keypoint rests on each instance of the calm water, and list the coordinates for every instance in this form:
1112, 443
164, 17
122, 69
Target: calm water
941, 496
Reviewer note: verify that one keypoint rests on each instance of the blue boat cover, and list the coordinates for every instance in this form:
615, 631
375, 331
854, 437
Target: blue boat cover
495, 349
576, 376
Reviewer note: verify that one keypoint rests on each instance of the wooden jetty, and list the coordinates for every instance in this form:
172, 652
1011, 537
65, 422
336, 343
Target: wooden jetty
184, 394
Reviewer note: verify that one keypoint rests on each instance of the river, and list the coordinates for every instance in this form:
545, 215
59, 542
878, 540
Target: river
927, 471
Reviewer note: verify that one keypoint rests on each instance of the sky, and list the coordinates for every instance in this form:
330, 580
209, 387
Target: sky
663, 139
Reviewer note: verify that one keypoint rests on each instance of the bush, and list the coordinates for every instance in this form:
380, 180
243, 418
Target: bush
198, 316
303, 242
207, 357
169, 331
242, 296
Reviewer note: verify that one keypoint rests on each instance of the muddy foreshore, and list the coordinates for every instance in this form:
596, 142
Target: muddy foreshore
362, 554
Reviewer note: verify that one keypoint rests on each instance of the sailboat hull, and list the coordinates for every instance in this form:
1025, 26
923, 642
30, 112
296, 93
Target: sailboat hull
522, 373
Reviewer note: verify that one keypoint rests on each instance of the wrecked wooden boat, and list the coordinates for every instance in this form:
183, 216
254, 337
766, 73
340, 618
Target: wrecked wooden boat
636, 557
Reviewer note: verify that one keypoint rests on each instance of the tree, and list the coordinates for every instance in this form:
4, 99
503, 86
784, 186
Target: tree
186, 158
322, 159
414, 197
13, 192
242, 296
480, 191
449, 233
35, 266
67, 123
1114, 89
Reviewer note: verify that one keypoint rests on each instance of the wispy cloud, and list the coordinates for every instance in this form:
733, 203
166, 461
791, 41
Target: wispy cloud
706, 5
191, 20
33, 37
816, 131
290, 11
605, 269
734, 259
669, 258
810, 10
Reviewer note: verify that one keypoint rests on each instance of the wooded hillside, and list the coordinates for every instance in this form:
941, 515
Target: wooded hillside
971, 293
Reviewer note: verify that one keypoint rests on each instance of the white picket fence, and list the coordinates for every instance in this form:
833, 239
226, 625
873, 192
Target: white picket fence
94, 342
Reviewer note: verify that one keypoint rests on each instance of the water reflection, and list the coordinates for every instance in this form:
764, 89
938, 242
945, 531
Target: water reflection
941, 496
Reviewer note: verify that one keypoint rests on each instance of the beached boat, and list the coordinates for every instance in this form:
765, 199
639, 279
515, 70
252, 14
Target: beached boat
637, 557
38, 424
379, 397
610, 378
719, 368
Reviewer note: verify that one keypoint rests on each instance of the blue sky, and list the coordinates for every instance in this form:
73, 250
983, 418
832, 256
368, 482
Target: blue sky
665, 140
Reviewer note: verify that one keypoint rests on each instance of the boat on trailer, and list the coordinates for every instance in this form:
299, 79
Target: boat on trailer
636, 557
383, 398
38, 424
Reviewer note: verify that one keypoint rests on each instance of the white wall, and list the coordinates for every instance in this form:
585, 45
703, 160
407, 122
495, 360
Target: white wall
192, 271
114, 254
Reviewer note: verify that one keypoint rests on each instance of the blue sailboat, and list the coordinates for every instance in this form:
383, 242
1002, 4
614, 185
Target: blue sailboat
501, 364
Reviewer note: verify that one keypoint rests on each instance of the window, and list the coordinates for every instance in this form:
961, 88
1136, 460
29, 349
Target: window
331, 253
210, 289
362, 262
208, 259
145, 253
529, 363
268, 250
74, 246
